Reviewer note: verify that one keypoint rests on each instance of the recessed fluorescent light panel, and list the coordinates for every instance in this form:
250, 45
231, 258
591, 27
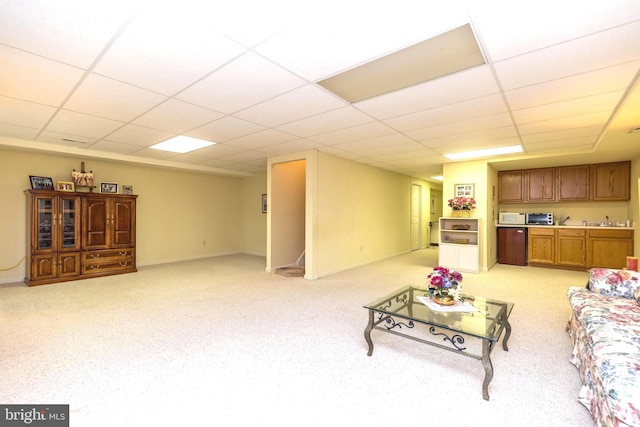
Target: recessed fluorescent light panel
485, 153
438, 178
182, 144
448, 53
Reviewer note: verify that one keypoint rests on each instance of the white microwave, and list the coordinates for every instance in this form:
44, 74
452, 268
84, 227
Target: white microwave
511, 218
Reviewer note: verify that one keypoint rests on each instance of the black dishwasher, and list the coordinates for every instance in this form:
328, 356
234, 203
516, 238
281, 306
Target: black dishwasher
512, 245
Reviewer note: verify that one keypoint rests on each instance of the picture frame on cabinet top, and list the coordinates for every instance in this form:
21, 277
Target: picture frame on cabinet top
41, 182
66, 186
109, 187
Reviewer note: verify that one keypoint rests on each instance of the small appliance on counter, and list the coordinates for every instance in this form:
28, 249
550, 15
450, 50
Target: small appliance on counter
539, 218
511, 218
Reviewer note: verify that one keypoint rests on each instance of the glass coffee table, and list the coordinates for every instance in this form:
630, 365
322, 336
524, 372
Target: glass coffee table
478, 318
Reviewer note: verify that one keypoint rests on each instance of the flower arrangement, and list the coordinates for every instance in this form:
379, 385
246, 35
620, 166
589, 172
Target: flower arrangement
445, 283
462, 203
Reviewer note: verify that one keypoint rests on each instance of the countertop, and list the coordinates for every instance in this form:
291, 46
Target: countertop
604, 227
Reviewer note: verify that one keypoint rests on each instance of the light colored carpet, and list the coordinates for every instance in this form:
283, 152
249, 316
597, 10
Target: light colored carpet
222, 342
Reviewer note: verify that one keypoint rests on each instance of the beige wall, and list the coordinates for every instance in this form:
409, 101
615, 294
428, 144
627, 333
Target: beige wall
363, 214
180, 215
476, 173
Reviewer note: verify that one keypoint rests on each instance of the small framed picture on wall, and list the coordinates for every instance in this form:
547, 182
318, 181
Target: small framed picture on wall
463, 190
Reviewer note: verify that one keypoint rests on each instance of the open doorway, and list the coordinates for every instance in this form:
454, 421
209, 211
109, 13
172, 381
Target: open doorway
287, 212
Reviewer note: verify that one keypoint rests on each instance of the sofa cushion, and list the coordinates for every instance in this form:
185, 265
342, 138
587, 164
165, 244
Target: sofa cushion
617, 283
606, 333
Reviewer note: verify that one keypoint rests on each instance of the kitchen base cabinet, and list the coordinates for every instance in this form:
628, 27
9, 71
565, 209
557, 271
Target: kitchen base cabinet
610, 248
571, 247
542, 246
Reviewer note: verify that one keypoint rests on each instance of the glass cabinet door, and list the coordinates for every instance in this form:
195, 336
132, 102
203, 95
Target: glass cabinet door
45, 217
68, 219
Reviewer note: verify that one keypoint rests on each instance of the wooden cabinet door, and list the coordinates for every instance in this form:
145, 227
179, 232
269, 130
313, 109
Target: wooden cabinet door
611, 181
122, 223
573, 183
511, 186
571, 247
541, 246
609, 248
541, 185
95, 224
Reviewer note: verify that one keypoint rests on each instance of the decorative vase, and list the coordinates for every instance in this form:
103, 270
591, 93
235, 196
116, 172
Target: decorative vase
444, 299
460, 213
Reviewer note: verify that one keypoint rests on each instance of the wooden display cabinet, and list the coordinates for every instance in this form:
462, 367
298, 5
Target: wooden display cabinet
72, 235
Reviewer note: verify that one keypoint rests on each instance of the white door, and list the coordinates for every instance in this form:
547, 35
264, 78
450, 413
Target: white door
415, 216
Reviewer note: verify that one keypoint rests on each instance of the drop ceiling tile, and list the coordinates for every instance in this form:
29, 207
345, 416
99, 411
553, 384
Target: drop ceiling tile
190, 50
473, 137
496, 121
341, 118
19, 132
73, 32
115, 147
245, 156
70, 122
617, 77
473, 83
304, 102
290, 147
65, 139
242, 83
376, 142
177, 116
561, 135
261, 139
23, 113
33, 78
578, 56
359, 33
396, 151
573, 107
484, 106
536, 25
225, 129
138, 135
104, 97
355, 133
151, 153
571, 144
599, 118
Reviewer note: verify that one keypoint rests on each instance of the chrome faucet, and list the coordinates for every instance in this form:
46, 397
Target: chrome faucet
562, 221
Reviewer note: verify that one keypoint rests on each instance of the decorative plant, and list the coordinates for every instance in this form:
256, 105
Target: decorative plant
462, 203
444, 282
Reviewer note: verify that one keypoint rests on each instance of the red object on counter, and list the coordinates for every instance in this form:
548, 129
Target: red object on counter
632, 263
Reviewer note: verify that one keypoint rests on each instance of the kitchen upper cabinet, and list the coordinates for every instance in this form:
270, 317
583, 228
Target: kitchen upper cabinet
611, 181
541, 185
511, 186
599, 182
573, 183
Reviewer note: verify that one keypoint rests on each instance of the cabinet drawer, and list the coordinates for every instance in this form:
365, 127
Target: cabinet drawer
572, 232
111, 260
612, 234
542, 231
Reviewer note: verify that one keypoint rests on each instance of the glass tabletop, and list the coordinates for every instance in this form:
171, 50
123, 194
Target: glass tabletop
482, 320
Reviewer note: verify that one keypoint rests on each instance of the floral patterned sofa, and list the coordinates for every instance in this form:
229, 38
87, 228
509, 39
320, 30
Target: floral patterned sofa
605, 329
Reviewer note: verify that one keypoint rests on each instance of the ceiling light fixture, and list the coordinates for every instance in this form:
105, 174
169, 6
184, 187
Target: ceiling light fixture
448, 53
438, 178
182, 144
485, 153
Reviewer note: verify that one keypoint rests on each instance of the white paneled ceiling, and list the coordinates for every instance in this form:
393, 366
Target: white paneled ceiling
110, 79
